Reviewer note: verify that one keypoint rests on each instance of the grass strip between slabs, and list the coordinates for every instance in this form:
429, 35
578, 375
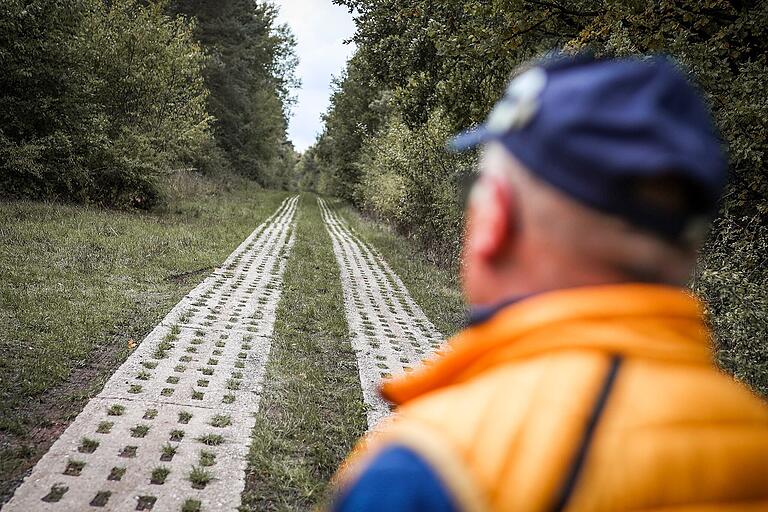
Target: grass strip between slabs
312, 409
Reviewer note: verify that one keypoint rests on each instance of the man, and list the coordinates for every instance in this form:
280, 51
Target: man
585, 381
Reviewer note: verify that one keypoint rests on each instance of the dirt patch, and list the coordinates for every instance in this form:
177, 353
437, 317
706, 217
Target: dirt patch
184, 276
50, 414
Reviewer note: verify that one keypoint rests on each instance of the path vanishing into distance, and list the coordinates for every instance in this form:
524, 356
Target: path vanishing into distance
171, 429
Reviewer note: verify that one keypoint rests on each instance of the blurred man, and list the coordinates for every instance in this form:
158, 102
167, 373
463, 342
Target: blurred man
585, 381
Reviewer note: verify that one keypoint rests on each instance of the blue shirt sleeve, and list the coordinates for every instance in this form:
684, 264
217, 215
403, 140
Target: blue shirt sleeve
397, 479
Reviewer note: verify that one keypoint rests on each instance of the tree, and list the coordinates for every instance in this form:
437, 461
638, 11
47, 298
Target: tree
250, 74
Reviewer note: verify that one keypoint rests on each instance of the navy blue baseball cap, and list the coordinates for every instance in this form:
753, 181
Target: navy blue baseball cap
596, 128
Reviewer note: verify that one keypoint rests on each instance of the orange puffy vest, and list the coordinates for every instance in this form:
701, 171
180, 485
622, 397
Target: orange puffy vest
590, 399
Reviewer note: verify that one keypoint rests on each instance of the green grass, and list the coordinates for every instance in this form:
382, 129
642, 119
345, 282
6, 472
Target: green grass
436, 290
79, 284
312, 409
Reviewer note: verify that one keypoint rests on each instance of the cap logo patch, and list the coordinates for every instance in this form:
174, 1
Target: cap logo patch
520, 102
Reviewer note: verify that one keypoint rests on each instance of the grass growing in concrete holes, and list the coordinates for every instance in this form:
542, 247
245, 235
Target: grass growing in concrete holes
436, 290
77, 283
312, 410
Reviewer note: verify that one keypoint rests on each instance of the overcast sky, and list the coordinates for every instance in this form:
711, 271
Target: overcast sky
320, 28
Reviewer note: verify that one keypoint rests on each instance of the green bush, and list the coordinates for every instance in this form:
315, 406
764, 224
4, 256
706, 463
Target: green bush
411, 181
99, 99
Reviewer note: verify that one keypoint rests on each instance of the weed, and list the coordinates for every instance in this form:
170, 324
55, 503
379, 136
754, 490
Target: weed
74, 467
87, 445
177, 435
199, 477
211, 439
168, 451
104, 427
221, 421
191, 505
139, 431
159, 474
184, 417
116, 410
207, 458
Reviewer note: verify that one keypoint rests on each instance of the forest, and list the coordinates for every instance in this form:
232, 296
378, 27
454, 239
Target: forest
424, 71
102, 100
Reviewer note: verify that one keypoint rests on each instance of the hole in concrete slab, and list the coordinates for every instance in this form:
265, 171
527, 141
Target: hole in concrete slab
211, 439
197, 395
239, 364
159, 474
168, 452
116, 474
221, 420
139, 430
184, 417
173, 379
228, 398
207, 458
143, 375
149, 364
104, 427
185, 359
191, 505
55, 494
87, 445
146, 503
101, 498
166, 391
116, 410
213, 362
134, 389
150, 414
202, 383
199, 477
128, 452
177, 435
180, 368
207, 371
74, 467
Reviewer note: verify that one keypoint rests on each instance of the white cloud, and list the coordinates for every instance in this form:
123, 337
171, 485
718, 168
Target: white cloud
320, 28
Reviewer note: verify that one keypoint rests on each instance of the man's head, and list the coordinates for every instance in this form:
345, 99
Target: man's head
592, 172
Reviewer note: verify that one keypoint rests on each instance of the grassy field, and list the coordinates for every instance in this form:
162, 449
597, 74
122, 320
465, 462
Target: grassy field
80, 286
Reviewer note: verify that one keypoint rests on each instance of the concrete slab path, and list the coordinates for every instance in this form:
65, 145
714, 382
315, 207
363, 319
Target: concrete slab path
390, 333
171, 428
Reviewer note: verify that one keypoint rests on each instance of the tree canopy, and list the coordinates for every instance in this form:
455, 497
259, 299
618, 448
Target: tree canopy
425, 70
101, 99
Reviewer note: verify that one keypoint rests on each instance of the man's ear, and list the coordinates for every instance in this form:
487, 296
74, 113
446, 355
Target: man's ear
491, 214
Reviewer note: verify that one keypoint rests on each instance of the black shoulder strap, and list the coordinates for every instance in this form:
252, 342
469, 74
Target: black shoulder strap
572, 476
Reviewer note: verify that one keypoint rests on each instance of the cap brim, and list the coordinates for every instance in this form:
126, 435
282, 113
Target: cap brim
470, 139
